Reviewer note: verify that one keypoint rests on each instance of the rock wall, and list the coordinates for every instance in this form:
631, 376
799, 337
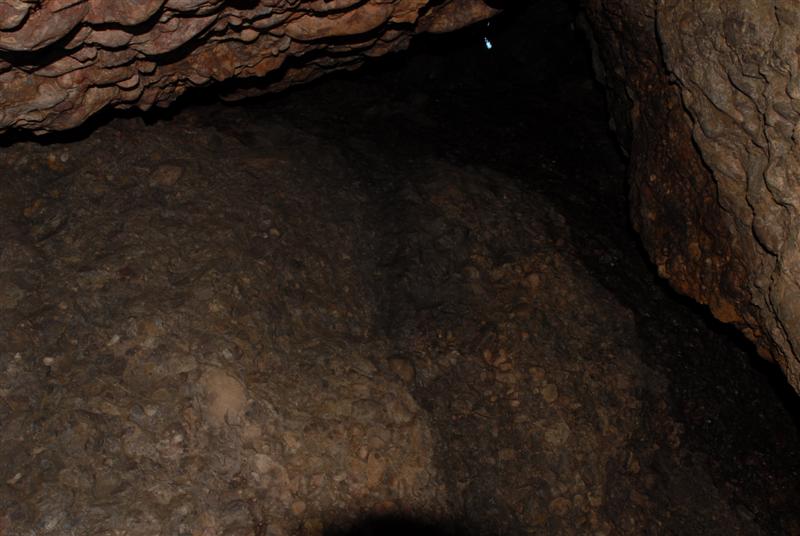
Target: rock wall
705, 94
63, 60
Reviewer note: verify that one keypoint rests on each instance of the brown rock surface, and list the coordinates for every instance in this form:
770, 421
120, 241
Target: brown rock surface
62, 61
229, 337
705, 96
273, 319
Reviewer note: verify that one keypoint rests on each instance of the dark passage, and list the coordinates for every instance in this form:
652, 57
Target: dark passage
405, 300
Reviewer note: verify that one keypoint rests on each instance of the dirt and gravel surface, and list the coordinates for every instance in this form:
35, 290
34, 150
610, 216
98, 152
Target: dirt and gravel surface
382, 295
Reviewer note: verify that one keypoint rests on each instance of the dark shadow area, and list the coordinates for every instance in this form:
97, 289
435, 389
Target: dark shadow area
777, 380
396, 525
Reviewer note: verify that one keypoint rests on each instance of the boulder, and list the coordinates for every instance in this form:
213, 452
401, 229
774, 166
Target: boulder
704, 96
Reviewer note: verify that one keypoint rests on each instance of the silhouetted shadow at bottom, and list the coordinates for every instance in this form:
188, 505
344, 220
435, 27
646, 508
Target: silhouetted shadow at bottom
394, 525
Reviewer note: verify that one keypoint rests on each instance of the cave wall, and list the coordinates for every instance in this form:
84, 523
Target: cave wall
704, 95
63, 60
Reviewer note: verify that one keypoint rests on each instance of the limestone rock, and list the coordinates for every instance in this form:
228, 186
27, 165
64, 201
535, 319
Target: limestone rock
61, 61
705, 96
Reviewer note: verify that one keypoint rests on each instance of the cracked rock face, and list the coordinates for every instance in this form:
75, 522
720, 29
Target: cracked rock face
63, 60
706, 95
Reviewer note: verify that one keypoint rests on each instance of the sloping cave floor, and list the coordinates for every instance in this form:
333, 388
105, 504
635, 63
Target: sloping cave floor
376, 295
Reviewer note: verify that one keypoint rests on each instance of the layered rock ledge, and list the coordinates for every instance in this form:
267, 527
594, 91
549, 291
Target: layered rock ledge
63, 60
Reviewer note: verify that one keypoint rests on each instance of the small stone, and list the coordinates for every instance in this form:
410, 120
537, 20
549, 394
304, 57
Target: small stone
166, 175
560, 506
298, 508
262, 462
54, 162
292, 441
226, 397
49, 361
558, 434
505, 377
249, 35
550, 393
502, 357
633, 464
472, 273
376, 466
274, 529
313, 527
10, 295
403, 368
537, 373
534, 281
506, 455
398, 412
385, 507
596, 501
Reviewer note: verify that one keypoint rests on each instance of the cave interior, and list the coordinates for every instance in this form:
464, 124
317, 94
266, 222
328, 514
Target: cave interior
402, 299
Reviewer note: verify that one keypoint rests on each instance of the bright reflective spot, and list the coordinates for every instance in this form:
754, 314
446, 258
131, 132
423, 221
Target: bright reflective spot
487, 43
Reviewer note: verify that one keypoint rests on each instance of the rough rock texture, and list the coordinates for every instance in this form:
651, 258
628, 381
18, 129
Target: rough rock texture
63, 60
705, 95
303, 316
181, 382
228, 337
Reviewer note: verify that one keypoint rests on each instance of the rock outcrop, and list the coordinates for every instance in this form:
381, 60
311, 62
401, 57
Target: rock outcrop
227, 337
706, 98
63, 60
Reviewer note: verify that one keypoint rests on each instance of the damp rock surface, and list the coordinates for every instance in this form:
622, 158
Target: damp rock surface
62, 61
